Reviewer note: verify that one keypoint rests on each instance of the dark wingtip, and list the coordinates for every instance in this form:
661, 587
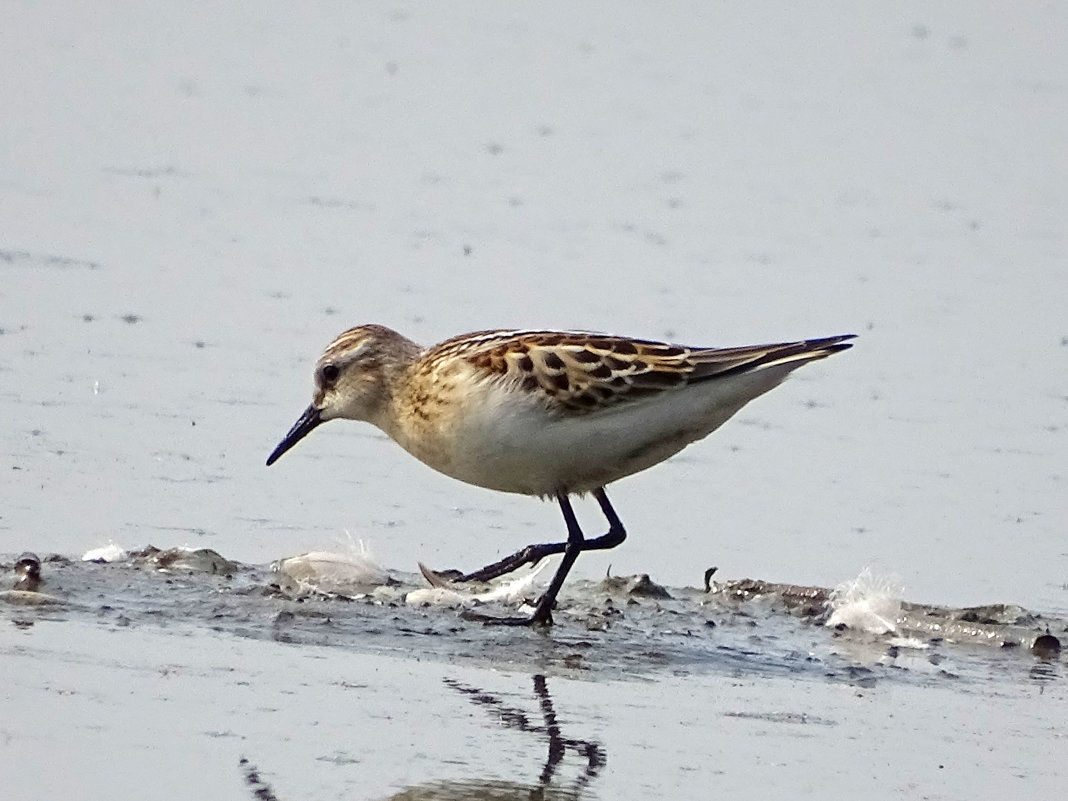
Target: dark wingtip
825, 346
841, 340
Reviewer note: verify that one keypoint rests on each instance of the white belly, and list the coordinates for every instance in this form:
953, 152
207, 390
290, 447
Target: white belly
498, 440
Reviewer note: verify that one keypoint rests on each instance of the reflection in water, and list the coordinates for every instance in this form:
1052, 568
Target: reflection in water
557, 748
489, 790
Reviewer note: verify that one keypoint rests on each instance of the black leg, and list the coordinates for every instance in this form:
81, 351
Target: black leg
533, 554
615, 534
543, 612
576, 544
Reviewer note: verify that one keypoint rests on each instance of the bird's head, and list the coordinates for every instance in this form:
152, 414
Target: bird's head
353, 380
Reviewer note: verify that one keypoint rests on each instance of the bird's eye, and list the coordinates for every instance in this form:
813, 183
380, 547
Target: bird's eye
330, 373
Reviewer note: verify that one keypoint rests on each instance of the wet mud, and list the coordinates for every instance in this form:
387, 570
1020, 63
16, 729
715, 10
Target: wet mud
617, 628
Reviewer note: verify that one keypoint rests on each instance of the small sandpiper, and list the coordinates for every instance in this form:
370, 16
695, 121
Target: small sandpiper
543, 413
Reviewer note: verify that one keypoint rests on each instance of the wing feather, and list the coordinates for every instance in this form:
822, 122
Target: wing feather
577, 372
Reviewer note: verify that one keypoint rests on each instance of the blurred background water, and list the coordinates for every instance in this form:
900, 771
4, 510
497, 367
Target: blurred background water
196, 200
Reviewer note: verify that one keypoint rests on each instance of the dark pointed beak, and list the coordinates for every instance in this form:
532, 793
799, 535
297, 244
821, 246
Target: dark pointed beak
309, 420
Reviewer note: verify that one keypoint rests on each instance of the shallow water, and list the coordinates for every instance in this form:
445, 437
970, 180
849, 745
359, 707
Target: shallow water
637, 690
194, 204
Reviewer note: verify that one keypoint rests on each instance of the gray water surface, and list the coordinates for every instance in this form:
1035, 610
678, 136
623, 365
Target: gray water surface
195, 200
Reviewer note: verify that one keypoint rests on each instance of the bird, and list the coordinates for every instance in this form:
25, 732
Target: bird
544, 413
